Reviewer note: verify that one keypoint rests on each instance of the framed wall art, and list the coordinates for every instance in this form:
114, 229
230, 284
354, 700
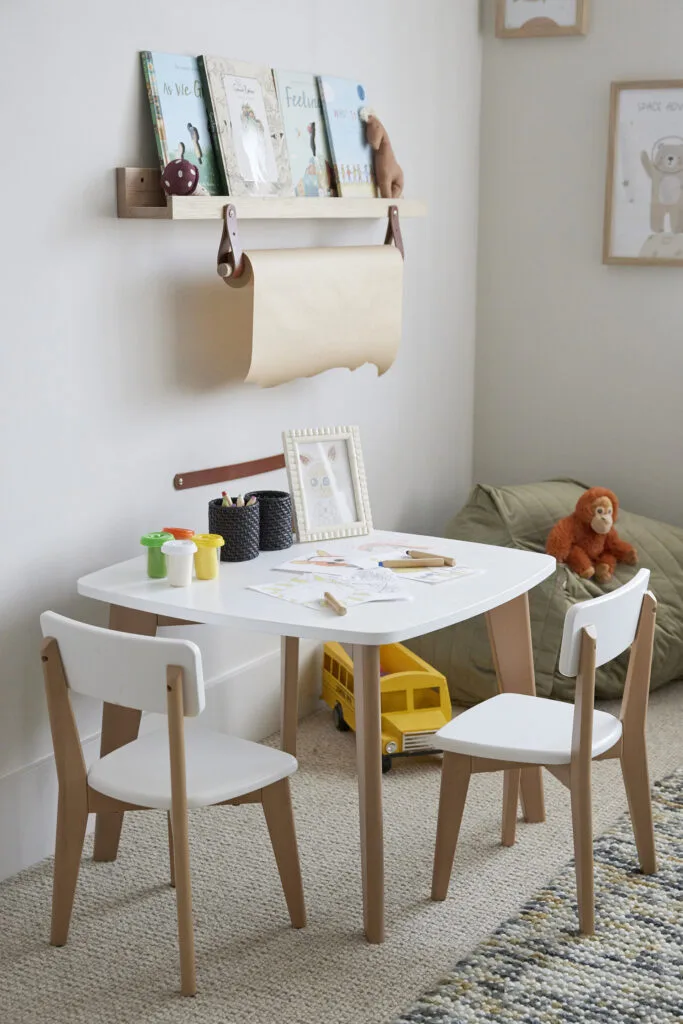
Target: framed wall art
644, 195
327, 481
520, 19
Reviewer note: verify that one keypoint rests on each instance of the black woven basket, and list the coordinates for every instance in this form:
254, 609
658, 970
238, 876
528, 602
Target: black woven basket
238, 525
276, 519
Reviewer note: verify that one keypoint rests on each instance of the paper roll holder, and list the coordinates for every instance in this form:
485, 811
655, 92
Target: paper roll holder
230, 261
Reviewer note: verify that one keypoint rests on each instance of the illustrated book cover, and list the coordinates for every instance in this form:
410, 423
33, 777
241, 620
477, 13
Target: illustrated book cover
342, 101
305, 133
179, 117
247, 127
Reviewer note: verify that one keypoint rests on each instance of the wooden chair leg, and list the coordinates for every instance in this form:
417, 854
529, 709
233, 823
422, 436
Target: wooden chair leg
277, 808
582, 821
180, 829
183, 888
455, 780
637, 782
72, 819
171, 857
510, 803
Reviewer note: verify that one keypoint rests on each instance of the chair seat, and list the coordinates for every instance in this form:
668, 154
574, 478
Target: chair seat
517, 727
218, 768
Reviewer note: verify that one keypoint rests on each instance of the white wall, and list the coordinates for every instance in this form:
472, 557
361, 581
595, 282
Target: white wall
110, 376
579, 365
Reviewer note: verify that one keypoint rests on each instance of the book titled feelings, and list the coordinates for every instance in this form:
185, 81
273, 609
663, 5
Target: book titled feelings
305, 132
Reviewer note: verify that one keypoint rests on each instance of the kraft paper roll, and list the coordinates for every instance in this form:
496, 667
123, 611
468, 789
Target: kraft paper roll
302, 311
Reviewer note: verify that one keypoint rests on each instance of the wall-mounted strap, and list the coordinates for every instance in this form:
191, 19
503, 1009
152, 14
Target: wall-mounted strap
221, 474
394, 231
230, 254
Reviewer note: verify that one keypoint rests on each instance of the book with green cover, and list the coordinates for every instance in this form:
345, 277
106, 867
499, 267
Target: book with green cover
179, 117
306, 134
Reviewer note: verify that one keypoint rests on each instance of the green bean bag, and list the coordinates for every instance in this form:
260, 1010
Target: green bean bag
521, 517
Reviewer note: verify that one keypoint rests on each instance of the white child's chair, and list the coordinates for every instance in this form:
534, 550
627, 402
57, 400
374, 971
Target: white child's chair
511, 732
184, 767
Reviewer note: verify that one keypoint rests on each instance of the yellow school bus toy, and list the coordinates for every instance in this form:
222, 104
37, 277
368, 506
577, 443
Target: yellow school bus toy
415, 699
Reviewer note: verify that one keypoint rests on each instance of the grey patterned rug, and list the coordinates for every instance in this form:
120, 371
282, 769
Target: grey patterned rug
536, 968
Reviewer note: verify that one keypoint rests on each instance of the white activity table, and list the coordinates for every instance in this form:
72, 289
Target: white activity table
139, 604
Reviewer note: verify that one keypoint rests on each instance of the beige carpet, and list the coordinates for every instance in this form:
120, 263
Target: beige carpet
121, 964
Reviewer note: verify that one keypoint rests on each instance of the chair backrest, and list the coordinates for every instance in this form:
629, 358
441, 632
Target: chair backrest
123, 668
615, 618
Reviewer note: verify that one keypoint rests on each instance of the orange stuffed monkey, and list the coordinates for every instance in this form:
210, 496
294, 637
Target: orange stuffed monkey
587, 541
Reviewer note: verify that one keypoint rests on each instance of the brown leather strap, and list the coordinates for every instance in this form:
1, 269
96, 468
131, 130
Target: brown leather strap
230, 261
203, 477
394, 231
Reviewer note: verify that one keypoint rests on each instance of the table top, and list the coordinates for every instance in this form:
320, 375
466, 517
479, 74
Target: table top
506, 573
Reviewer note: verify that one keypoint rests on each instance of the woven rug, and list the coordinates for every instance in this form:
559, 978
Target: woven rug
536, 968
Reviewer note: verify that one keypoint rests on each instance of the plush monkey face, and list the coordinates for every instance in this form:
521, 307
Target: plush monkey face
668, 157
603, 515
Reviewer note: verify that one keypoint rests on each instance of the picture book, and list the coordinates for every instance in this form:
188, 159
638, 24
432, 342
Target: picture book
306, 134
342, 101
247, 127
179, 114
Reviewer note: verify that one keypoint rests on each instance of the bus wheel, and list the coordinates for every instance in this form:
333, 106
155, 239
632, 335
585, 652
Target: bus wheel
339, 720
386, 764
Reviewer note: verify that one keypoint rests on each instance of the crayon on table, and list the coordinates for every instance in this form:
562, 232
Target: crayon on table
413, 563
336, 605
421, 554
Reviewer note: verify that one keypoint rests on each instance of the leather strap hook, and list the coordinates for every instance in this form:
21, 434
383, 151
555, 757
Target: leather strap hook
394, 231
230, 261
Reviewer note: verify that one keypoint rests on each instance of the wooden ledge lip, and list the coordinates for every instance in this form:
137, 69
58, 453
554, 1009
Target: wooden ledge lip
139, 196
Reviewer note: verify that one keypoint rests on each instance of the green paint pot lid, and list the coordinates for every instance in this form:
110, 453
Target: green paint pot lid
155, 540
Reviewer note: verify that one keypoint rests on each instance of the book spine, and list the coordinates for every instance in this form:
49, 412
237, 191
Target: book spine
213, 130
330, 137
147, 61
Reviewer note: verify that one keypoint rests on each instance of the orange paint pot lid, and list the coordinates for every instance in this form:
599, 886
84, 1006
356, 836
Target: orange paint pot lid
179, 532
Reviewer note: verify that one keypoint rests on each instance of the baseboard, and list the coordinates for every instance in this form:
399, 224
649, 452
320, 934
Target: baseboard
28, 811
246, 703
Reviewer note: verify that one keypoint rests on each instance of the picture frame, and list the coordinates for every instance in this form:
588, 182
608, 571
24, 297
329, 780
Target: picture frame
643, 223
327, 481
531, 19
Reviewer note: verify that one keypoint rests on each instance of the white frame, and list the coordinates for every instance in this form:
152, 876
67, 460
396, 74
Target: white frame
291, 440
542, 25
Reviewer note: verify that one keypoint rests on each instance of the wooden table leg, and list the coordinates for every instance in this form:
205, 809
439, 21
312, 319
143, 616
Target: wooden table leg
119, 726
509, 631
289, 693
366, 674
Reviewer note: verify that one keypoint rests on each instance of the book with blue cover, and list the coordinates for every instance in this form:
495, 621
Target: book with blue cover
342, 100
179, 115
306, 134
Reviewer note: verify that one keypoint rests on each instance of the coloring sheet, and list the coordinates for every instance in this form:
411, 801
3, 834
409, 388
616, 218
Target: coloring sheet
363, 587
345, 563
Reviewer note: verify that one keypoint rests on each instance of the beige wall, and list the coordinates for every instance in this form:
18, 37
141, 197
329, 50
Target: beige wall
109, 384
579, 366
